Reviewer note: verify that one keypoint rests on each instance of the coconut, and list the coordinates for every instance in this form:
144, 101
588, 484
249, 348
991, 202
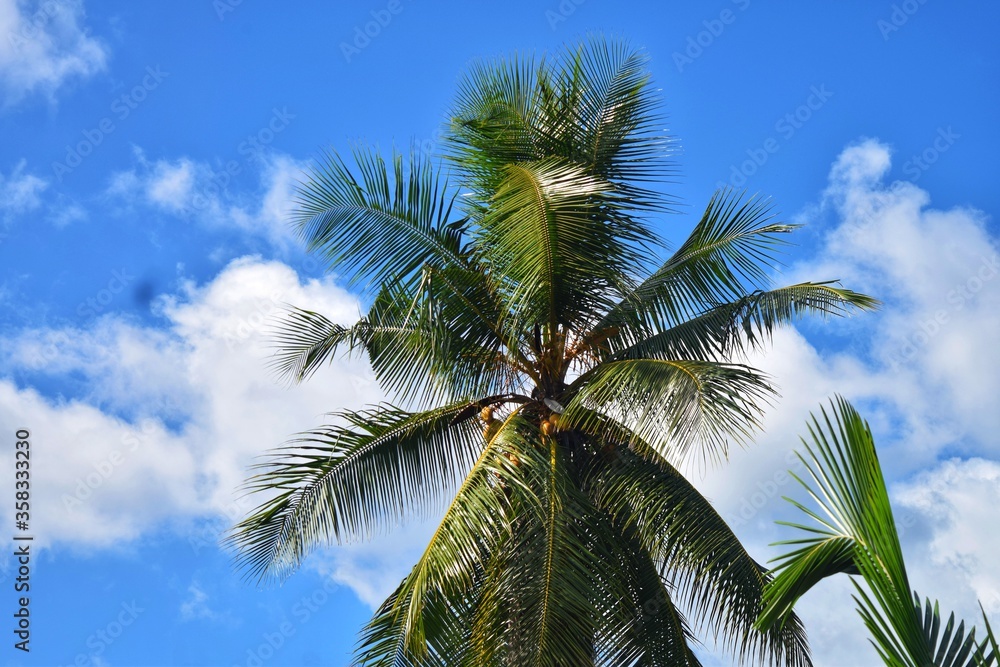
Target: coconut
492, 428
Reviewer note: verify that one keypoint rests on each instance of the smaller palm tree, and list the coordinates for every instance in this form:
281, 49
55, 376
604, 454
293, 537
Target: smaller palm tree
858, 537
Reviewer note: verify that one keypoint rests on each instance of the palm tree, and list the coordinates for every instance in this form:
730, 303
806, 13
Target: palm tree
858, 537
549, 379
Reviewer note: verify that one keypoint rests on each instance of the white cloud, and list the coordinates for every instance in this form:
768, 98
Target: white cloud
928, 391
196, 605
170, 185
19, 192
374, 569
66, 214
170, 418
43, 45
193, 190
955, 526
925, 372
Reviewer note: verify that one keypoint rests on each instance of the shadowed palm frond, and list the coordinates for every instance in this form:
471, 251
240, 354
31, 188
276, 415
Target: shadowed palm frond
348, 482
674, 404
743, 325
382, 227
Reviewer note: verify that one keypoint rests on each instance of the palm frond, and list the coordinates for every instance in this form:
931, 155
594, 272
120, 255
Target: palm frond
698, 553
347, 482
743, 325
674, 404
725, 257
616, 117
477, 518
305, 340
382, 227
552, 232
592, 106
645, 627
857, 534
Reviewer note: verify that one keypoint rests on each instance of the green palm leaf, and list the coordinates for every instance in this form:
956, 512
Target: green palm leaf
858, 536
348, 482
743, 325
553, 233
552, 370
725, 256
674, 404
382, 227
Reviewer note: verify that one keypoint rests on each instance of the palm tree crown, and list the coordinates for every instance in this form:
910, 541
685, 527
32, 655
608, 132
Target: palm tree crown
552, 379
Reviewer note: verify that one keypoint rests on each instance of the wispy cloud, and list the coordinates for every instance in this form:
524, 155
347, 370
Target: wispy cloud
166, 419
193, 190
19, 191
43, 46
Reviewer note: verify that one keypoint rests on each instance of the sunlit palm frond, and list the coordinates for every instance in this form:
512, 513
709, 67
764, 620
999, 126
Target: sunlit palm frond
477, 519
856, 534
617, 123
697, 552
553, 235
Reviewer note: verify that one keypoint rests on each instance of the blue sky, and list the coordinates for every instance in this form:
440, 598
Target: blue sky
149, 152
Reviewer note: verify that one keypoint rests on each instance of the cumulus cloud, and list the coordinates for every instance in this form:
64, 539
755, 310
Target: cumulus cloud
44, 45
924, 371
194, 190
168, 418
955, 516
195, 395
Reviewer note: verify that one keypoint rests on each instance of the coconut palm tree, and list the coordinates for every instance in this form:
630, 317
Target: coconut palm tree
550, 379
858, 537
